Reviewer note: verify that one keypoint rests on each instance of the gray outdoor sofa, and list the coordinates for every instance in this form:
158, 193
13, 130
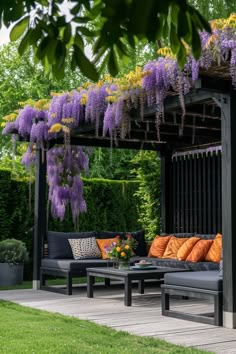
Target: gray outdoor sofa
60, 261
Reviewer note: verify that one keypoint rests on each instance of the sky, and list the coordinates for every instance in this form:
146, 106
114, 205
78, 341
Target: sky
4, 32
4, 35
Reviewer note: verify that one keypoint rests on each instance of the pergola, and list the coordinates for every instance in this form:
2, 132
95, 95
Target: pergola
198, 192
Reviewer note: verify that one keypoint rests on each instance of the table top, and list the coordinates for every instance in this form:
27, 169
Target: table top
125, 272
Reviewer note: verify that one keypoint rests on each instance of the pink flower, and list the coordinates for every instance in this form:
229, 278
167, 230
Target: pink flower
117, 236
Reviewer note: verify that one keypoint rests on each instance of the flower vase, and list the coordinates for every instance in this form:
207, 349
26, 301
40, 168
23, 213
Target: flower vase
123, 264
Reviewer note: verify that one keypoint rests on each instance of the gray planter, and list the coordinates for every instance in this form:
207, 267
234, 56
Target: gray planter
11, 274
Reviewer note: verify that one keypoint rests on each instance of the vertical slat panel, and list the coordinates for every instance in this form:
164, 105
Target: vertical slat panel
213, 193
219, 202
174, 194
178, 194
182, 195
209, 205
197, 194
186, 187
195, 215
204, 189
199, 162
191, 226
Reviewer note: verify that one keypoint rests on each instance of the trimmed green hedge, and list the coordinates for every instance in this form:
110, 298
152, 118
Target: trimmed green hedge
111, 206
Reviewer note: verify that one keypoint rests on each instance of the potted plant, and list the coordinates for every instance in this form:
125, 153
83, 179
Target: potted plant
13, 254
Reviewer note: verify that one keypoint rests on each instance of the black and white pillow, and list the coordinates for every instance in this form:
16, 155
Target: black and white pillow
83, 248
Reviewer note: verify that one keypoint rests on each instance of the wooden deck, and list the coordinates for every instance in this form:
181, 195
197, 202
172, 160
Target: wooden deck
143, 318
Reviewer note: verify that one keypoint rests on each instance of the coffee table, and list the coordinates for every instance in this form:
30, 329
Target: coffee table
127, 276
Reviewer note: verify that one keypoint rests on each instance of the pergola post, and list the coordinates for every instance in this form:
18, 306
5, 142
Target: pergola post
166, 193
228, 108
40, 213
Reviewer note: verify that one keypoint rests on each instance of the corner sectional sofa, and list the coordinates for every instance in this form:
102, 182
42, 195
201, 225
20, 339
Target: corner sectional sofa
60, 261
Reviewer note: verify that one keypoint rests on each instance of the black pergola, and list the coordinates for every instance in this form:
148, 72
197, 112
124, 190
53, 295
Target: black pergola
198, 194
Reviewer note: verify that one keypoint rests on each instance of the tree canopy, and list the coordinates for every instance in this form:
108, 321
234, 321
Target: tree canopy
110, 26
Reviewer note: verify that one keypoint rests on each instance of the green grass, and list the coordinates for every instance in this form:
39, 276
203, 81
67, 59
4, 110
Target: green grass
25, 330
58, 281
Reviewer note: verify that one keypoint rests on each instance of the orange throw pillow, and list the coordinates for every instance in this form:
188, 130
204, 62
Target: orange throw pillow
173, 246
158, 246
199, 251
103, 243
214, 253
186, 248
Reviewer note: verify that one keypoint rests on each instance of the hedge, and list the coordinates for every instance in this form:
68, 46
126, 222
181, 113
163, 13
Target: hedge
111, 206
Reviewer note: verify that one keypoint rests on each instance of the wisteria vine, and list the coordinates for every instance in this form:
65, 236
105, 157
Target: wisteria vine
107, 105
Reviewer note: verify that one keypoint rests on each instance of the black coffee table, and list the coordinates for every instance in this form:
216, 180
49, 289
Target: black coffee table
127, 276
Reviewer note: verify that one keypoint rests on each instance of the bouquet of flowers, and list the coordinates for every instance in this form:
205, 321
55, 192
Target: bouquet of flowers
123, 249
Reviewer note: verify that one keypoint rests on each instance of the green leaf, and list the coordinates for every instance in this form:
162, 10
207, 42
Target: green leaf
196, 44
113, 66
86, 32
76, 9
25, 42
183, 25
174, 40
86, 67
51, 49
67, 33
78, 41
19, 28
181, 55
78, 19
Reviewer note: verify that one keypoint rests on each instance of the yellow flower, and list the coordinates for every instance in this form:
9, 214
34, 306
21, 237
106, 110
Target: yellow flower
56, 128
118, 249
127, 247
123, 254
84, 99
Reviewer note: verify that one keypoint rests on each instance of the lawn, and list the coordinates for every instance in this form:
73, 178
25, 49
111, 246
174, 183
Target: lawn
57, 281
25, 330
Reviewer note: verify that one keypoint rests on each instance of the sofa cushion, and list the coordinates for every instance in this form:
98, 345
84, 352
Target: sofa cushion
83, 248
58, 244
215, 251
140, 249
209, 280
74, 264
173, 246
158, 246
186, 248
199, 251
174, 263
105, 244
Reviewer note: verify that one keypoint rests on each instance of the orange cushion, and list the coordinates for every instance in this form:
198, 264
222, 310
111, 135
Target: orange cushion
186, 248
214, 253
103, 243
158, 246
199, 251
173, 246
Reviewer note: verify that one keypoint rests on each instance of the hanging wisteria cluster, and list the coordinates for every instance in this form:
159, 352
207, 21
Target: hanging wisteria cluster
107, 105
64, 167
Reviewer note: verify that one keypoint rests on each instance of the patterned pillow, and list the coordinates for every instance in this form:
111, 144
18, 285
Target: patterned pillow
83, 248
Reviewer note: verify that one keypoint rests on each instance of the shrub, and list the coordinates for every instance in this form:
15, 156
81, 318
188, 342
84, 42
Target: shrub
13, 251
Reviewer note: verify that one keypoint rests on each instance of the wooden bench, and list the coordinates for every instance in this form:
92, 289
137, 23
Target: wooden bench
203, 285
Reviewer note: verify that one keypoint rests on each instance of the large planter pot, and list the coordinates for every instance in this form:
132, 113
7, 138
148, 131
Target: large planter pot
11, 274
